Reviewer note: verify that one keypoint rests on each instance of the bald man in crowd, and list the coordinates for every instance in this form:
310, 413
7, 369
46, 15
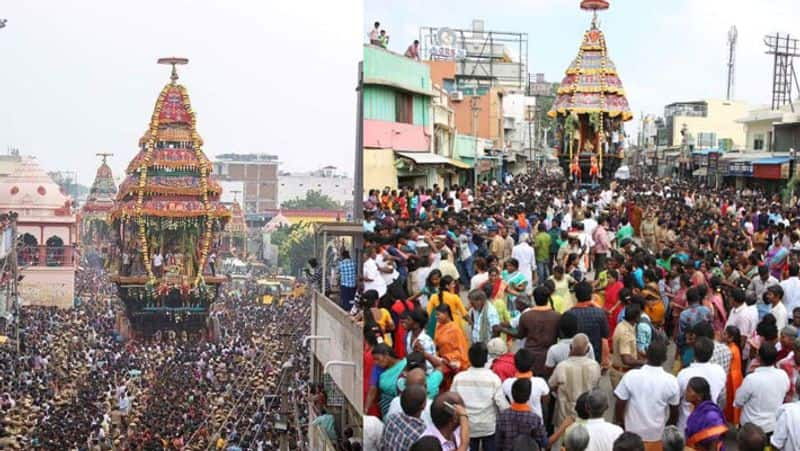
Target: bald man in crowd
413, 377
578, 374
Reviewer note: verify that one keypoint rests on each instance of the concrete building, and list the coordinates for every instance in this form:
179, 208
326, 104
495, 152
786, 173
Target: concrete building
398, 123
47, 228
771, 130
711, 123
521, 126
327, 180
259, 173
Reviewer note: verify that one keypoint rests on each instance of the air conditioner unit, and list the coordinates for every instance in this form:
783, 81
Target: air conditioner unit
457, 96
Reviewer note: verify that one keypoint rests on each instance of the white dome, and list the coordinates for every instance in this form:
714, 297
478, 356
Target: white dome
29, 186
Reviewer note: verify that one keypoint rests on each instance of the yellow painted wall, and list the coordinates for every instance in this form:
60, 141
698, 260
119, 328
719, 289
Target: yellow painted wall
722, 120
379, 169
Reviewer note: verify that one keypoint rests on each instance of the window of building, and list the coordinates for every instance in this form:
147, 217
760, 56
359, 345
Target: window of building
706, 140
449, 85
404, 108
769, 141
758, 141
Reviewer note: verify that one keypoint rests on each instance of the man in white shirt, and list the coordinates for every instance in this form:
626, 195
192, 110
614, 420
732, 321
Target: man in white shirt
373, 430
481, 274
523, 360
601, 433
387, 267
791, 288
525, 256
567, 328
777, 309
763, 391
711, 372
452, 427
743, 316
787, 426
644, 394
479, 387
371, 274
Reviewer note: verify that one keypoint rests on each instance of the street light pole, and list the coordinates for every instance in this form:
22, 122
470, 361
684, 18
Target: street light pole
358, 180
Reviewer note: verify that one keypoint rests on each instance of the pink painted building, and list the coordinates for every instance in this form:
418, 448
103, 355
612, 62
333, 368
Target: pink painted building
47, 230
380, 134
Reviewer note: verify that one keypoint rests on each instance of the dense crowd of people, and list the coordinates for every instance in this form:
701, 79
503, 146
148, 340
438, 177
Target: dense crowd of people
647, 314
75, 385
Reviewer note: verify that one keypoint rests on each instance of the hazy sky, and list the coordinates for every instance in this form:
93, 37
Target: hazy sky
665, 51
79, 77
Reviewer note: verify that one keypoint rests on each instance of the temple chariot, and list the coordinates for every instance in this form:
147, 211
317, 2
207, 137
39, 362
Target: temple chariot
166, 218
590, 109
96, 234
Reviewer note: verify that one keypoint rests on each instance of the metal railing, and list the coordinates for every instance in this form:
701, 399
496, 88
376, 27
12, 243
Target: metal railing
46, 256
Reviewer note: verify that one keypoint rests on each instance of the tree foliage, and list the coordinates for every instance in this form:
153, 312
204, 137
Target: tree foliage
314, 200
296, 246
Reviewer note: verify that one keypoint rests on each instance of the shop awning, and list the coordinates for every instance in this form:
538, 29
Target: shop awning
702, 172
773, 160
432, 158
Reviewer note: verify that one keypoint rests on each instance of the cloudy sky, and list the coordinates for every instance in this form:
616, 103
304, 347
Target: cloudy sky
665, 51
80, 77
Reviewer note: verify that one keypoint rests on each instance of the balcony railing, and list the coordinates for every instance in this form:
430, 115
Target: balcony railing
46, 256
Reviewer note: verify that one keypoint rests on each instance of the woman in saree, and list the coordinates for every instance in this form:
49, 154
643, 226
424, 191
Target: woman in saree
430, 288
495, 289
561, 291
706, 427
451, 345
495, 286
679, 302
613, 305
776, 259
714, 302
733, 337
515, 280
392, 367
380, 316
448, 295
654, 305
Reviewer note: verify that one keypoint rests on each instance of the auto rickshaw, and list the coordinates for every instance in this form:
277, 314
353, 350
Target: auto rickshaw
268, 291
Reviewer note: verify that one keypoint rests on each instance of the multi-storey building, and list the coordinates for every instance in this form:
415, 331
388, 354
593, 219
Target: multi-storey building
328, 180
711, 123
259, 174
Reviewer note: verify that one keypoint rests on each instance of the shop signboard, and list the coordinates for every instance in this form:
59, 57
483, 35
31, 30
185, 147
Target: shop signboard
740, 168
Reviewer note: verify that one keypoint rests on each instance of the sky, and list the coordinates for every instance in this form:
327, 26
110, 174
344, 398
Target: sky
665, 51
80, 77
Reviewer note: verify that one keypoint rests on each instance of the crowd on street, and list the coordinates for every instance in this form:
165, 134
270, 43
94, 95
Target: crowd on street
75, 385
646, 314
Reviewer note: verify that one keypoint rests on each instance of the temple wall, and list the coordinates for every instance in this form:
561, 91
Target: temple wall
48, 286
